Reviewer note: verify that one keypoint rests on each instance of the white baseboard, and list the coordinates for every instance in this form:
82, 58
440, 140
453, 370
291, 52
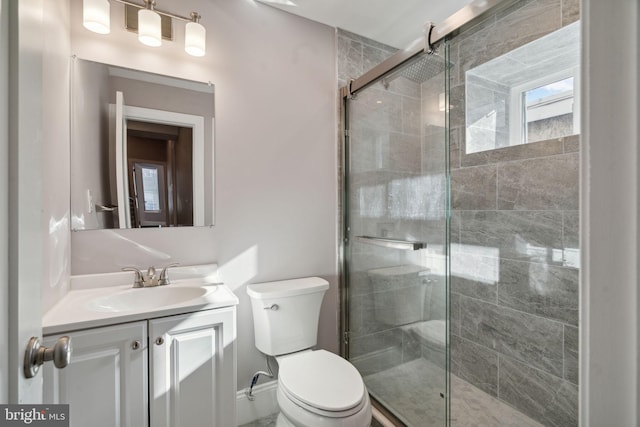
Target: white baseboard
265, 403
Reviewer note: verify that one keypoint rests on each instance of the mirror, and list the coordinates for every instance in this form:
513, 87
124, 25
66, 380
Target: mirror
141, 149
527, 95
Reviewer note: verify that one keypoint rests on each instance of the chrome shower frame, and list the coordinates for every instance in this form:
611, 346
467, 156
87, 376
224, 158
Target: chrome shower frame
433, 36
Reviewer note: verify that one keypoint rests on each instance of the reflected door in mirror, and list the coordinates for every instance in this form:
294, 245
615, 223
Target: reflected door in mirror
160, 174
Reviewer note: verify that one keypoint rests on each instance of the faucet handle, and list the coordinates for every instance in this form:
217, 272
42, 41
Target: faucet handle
151, 273
138, 281
164, 275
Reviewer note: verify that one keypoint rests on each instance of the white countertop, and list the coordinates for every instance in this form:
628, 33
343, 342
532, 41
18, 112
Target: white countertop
84, 305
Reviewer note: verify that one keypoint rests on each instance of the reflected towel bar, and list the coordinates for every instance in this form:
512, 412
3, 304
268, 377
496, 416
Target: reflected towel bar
391, 243
106, 208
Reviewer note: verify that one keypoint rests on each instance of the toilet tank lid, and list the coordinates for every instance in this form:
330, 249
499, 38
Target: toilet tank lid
287, 288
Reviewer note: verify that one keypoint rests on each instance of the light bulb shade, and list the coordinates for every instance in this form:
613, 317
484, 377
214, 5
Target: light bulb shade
149, 28
96, 16
194, 39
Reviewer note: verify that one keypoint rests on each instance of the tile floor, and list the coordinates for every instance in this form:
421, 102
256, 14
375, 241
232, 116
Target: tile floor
414, 389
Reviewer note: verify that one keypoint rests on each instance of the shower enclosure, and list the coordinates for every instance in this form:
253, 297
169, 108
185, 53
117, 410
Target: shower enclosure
460, 214
396, 237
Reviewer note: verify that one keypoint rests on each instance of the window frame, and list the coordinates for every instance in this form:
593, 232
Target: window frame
517, 105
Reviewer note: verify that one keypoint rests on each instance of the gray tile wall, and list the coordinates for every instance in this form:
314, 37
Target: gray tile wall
357, 54
514, 236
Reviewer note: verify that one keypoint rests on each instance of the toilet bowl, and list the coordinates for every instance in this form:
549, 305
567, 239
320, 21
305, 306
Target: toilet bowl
321, 389
316, 388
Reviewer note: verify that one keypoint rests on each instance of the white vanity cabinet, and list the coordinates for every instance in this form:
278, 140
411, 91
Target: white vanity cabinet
173, 371
105, 384
192, 369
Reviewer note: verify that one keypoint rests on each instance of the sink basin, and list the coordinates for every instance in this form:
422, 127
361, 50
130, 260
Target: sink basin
145, 298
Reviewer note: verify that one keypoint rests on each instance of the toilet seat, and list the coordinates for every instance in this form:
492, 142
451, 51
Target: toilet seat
323, 383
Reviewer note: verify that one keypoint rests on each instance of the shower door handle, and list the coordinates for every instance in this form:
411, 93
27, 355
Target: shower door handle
405, 245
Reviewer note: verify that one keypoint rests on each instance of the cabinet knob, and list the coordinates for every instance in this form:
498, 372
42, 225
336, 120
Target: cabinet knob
136, 344
159, 341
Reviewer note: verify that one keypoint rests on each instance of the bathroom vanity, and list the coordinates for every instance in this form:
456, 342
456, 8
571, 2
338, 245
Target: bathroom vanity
161, 356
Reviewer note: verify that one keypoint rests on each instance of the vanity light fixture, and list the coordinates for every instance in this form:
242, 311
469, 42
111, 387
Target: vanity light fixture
95, 16
194, 36
151, 24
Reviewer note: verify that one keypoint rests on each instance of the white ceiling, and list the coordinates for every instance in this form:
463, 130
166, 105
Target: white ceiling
396, 23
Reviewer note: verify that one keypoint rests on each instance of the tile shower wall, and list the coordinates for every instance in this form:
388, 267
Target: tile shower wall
514, 240
357, 54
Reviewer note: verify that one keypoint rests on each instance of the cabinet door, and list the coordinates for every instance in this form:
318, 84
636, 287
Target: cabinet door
105, 384
193, 369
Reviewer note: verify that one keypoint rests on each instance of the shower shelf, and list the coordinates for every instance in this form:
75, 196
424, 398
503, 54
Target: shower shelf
391, 243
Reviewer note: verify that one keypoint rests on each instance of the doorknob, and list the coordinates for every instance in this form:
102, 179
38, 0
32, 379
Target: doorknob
36, 355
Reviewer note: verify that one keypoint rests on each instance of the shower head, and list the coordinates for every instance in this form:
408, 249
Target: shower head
419, 69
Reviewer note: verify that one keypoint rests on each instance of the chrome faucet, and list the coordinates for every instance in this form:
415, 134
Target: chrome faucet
164, 274
142, 280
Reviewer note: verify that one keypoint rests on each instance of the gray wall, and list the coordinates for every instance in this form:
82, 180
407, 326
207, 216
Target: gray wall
514, 234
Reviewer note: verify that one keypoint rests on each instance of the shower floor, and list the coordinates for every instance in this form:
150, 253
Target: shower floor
414, 388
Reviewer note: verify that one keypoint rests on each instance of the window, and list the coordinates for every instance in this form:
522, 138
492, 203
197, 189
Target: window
546, 108
525, 95
150, 188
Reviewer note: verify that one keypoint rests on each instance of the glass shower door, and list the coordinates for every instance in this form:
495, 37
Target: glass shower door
396, 240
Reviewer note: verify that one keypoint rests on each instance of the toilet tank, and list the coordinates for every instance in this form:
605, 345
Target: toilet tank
286, 314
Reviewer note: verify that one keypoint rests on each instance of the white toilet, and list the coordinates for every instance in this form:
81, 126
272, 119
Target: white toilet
315, 388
